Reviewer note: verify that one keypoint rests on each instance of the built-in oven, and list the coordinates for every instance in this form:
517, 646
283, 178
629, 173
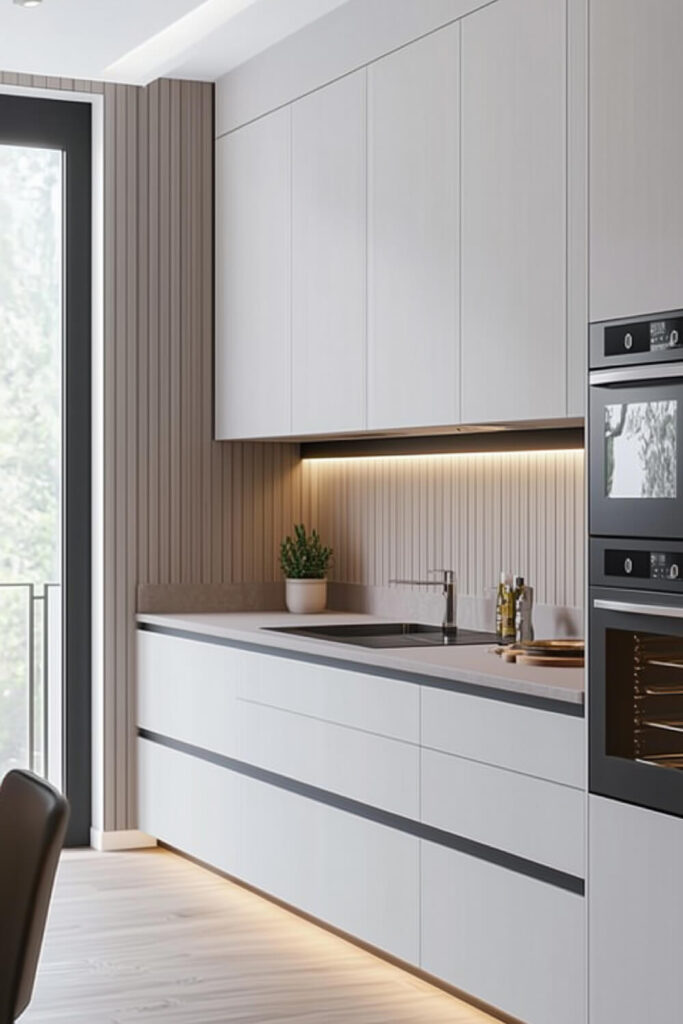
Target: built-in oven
635, 425
636, 673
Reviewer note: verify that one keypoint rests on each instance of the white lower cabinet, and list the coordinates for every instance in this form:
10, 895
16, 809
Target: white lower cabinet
190, 804
527, 817
532, 741
352, 873
635, 915
511, 941
482, 921
345, 696
186, 690
374, 770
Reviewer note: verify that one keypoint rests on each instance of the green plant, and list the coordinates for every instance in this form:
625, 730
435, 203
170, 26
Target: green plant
304, 557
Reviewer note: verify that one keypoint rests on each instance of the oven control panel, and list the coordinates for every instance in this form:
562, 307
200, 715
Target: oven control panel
649, 339
644, 336
644, 565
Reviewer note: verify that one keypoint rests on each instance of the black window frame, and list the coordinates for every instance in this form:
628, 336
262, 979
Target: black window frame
67, 125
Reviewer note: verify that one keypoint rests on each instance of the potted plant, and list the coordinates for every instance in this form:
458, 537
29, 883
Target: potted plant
304, 561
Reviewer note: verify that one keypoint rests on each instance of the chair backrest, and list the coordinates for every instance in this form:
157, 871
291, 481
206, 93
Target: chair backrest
33, 820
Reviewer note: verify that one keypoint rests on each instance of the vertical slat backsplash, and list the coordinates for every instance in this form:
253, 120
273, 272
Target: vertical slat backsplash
399, 517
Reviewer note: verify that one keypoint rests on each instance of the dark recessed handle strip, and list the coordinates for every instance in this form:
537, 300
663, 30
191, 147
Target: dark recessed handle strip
470, 847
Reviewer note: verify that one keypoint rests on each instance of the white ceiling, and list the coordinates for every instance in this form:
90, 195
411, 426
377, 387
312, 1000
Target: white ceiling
137, 41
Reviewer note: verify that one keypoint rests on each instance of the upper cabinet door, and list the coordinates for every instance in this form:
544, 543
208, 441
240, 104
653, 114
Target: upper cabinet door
636, 157
514, 211
253, 281
329, 264
413, 234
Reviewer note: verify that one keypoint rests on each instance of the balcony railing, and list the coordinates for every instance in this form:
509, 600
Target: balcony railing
30, 678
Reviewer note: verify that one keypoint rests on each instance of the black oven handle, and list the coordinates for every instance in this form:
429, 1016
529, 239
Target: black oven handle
633, 608
626, 374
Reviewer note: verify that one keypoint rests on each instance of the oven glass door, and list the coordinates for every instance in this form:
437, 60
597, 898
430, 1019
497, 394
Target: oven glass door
636, 459
636, 697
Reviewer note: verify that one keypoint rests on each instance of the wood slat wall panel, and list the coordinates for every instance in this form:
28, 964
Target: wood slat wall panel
400, 517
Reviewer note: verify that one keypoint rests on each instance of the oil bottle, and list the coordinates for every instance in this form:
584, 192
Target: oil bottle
505, 609
523, 603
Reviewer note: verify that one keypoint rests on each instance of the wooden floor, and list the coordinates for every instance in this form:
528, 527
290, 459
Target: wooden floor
147, 936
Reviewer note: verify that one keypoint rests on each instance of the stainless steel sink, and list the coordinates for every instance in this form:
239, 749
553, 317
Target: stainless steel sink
388, 634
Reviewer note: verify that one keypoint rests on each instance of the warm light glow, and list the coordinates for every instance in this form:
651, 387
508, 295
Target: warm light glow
441, 455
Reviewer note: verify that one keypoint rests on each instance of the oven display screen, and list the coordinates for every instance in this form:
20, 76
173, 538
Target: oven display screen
663, 334
640, 449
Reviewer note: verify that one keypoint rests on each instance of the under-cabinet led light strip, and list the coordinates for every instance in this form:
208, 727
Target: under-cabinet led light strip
442, 455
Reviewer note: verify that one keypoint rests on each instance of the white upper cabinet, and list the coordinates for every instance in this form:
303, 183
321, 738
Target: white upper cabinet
253, 286
413, 234
577, 206
514, 243
636, 155
329, 258
406, 247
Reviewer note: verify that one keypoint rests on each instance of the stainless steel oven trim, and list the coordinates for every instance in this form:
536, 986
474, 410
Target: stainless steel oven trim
633, 608
635, 374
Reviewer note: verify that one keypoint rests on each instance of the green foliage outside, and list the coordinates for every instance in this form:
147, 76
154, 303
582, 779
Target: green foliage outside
30, 396
304, 557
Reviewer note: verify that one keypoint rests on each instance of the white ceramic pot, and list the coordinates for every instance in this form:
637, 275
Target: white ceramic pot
304, 597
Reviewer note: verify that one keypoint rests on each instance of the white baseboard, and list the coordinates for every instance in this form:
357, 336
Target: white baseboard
123, 839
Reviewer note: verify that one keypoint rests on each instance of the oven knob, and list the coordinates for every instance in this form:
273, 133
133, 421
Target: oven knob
628, 341
628, 566
673, 572
673, 338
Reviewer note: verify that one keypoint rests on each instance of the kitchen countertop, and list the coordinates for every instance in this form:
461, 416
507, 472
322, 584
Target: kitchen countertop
475, 664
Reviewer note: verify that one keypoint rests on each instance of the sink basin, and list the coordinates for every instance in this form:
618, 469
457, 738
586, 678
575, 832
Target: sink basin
367, 629
388, 634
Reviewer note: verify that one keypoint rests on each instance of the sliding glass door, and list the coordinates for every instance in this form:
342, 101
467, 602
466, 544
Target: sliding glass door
45, 331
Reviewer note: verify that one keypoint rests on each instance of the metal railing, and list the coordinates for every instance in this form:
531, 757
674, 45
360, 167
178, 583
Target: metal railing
39, 668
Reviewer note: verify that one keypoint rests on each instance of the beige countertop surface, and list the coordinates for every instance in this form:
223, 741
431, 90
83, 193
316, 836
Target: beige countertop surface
475, 665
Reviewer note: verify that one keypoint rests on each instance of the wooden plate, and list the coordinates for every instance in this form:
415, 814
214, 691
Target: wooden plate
554, 648
550, 660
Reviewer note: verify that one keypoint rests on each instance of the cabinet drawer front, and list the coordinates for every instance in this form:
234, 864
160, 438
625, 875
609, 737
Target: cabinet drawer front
525, 816
352, 873
535, 742
190, 804
383, 706
186, 690
509, 940
372, 769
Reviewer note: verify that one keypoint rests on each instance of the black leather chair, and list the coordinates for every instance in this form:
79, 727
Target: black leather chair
33, 820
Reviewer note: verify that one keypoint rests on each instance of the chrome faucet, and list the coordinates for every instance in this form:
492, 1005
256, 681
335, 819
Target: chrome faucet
448, 583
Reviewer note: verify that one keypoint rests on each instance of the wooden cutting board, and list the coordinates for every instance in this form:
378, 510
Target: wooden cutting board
514, 655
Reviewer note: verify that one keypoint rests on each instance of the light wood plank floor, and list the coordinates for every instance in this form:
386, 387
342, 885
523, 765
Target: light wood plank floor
147, 936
